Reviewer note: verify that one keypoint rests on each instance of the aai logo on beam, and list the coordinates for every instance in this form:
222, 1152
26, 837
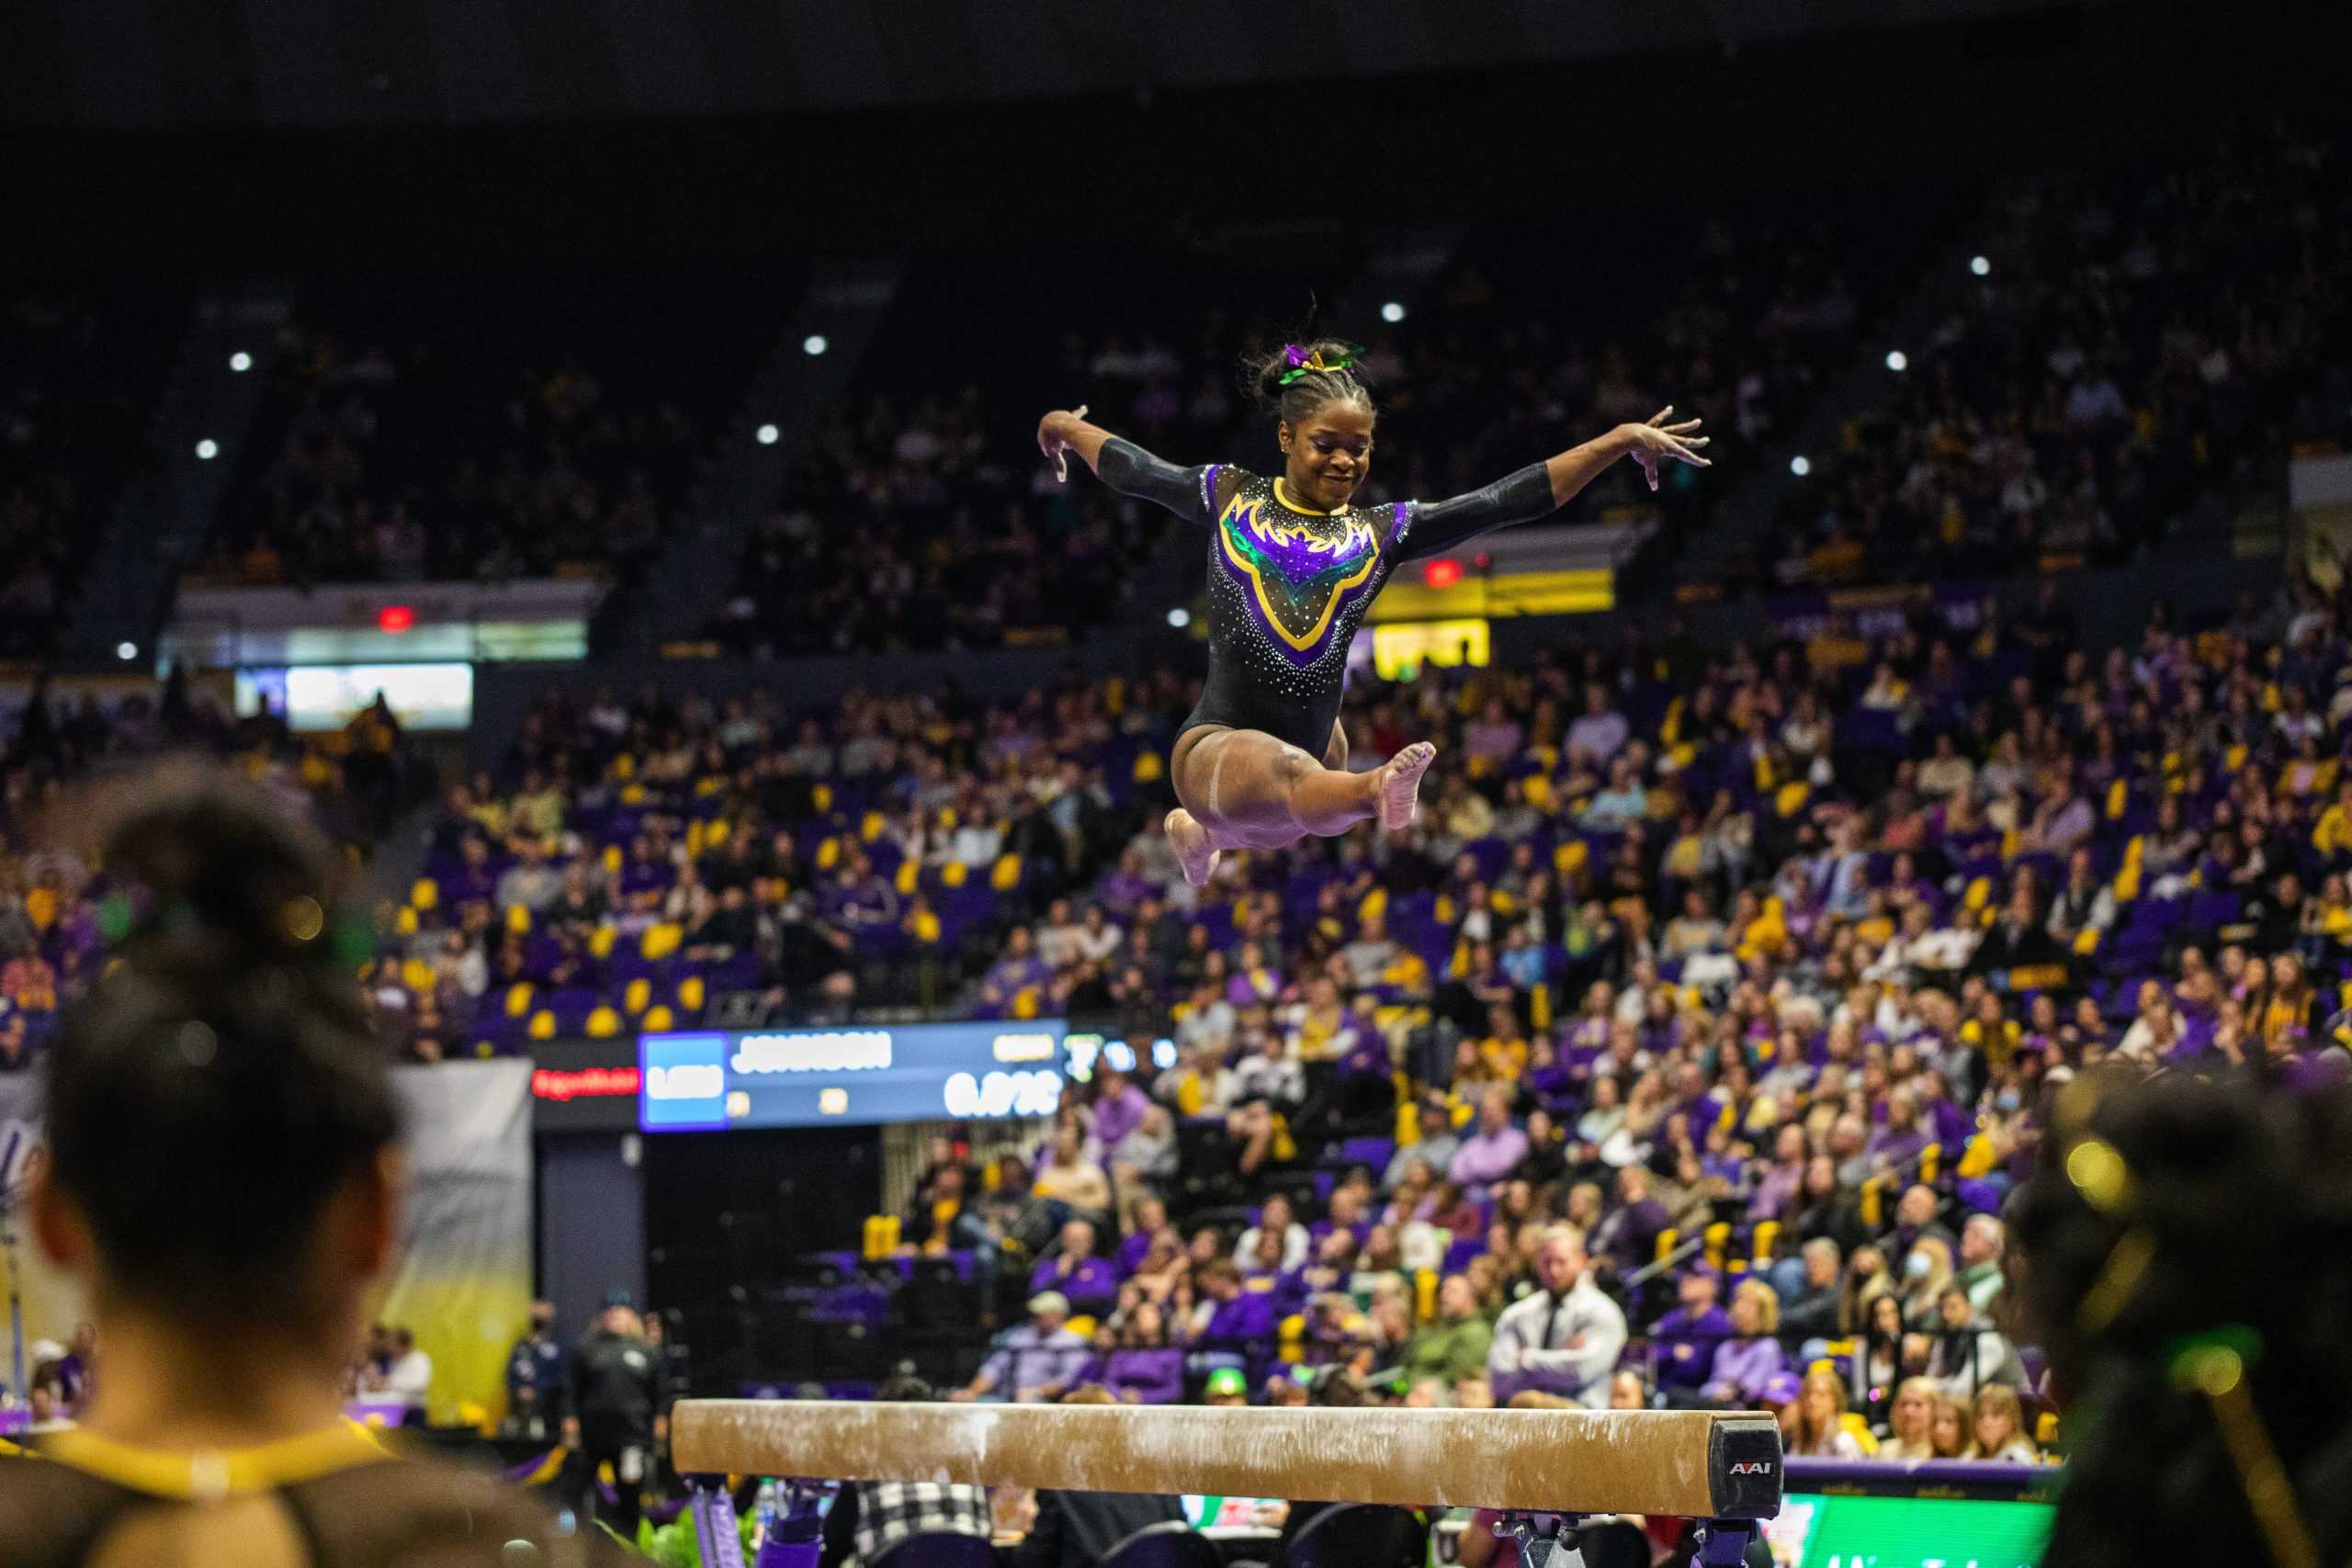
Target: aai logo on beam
682, 1082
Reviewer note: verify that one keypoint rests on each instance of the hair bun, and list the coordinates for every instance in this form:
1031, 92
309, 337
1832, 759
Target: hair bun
209, 868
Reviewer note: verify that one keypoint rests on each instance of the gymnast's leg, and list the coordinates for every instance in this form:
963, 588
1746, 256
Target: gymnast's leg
1244, 789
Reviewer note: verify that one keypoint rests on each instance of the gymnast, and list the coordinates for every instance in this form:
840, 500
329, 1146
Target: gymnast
1294, 563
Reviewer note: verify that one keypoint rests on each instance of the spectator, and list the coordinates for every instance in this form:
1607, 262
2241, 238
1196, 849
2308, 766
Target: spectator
1948, 1429
1746, 1362
1982, 1242
1910, 1420
1496, 1149
1628, 1238
1275, 1217
534, 1372
1686, 1338
1434, 1149
1969, 1353
1820, 1425
1069, 1185
1811, 1311
1035, 1363
1564, 1339
1075, 1272
1997, 1427
1455, 1345
868, 1517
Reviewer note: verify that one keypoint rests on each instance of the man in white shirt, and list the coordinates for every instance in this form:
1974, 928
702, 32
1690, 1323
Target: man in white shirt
410, 1377
1564, 1339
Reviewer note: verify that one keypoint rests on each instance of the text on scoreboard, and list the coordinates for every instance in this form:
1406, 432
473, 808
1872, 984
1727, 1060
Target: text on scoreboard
699, 1080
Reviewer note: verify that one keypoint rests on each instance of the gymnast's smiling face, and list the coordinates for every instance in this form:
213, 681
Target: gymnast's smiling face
1330, 454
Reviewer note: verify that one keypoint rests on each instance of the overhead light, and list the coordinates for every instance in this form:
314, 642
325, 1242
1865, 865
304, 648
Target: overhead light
126, 651
240, 361
1179, 617
207, 449
1392, 313
1800, 464
814, 344
1897, 360
767, 434
1981, 265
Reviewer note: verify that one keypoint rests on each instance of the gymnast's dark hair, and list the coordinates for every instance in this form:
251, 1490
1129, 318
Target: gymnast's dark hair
1292, 391
219, 1081
2194, 1214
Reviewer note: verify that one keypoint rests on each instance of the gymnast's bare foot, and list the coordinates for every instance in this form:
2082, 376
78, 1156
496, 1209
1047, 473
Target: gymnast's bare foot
1398, 782
1191, 842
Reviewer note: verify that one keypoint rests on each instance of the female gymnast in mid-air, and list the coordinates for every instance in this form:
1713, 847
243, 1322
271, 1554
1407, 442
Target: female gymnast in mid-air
1294, 564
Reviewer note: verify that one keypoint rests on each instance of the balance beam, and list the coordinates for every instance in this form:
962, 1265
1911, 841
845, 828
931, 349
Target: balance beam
1688, 1464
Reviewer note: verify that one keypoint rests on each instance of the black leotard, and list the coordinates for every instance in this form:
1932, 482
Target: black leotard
1288, 585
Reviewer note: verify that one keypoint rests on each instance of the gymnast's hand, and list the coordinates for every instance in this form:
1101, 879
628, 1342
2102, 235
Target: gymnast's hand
1053, 438
1649, 442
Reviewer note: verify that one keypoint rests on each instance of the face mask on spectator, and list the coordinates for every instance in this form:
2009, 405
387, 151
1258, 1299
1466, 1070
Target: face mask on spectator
2007, 1100
1917, 1266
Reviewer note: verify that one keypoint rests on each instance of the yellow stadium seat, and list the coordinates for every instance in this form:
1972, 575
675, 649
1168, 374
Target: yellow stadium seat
634, 1000
2119, 795
690, 993
426, 893
1148, 768
1082, 1326
612, 860
602, 1023
696, 842
821, 797
518, 998
2045, 1428
1668, 1240
625, 767
417, 974
660, 941
633, 795
1024, 1002
829, 855
1424, 1294
1931, 1160
518, 920
657, 1019
1374, 905
1005, 875
542, 1025
1855, 1422
1873, 1203
2086, 942
908, 871
1766, 1237
405, 922
1715, 1239
925, 927
600, 941
953, 873
870, 827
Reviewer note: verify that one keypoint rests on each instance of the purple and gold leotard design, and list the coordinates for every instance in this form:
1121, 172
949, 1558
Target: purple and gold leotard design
1303, 576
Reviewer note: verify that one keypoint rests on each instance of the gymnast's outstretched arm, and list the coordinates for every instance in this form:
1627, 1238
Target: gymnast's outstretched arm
1540, 488
1123, 466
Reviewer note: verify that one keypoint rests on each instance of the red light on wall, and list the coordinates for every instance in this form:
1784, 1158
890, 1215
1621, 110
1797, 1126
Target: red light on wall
1443, 573
395, 618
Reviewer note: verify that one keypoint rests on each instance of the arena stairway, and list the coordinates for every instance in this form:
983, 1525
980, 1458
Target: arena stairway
165, 515
1735, 548
844, 304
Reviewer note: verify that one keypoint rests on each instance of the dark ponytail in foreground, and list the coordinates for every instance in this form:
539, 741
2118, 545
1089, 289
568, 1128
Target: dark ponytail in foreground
220, 1080
2184, 1252
1292, 381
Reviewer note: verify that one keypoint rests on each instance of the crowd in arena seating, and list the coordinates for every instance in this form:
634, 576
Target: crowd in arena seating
2128, 330
55, 919
451, 428
1853, 921
1777, 954
918, 522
